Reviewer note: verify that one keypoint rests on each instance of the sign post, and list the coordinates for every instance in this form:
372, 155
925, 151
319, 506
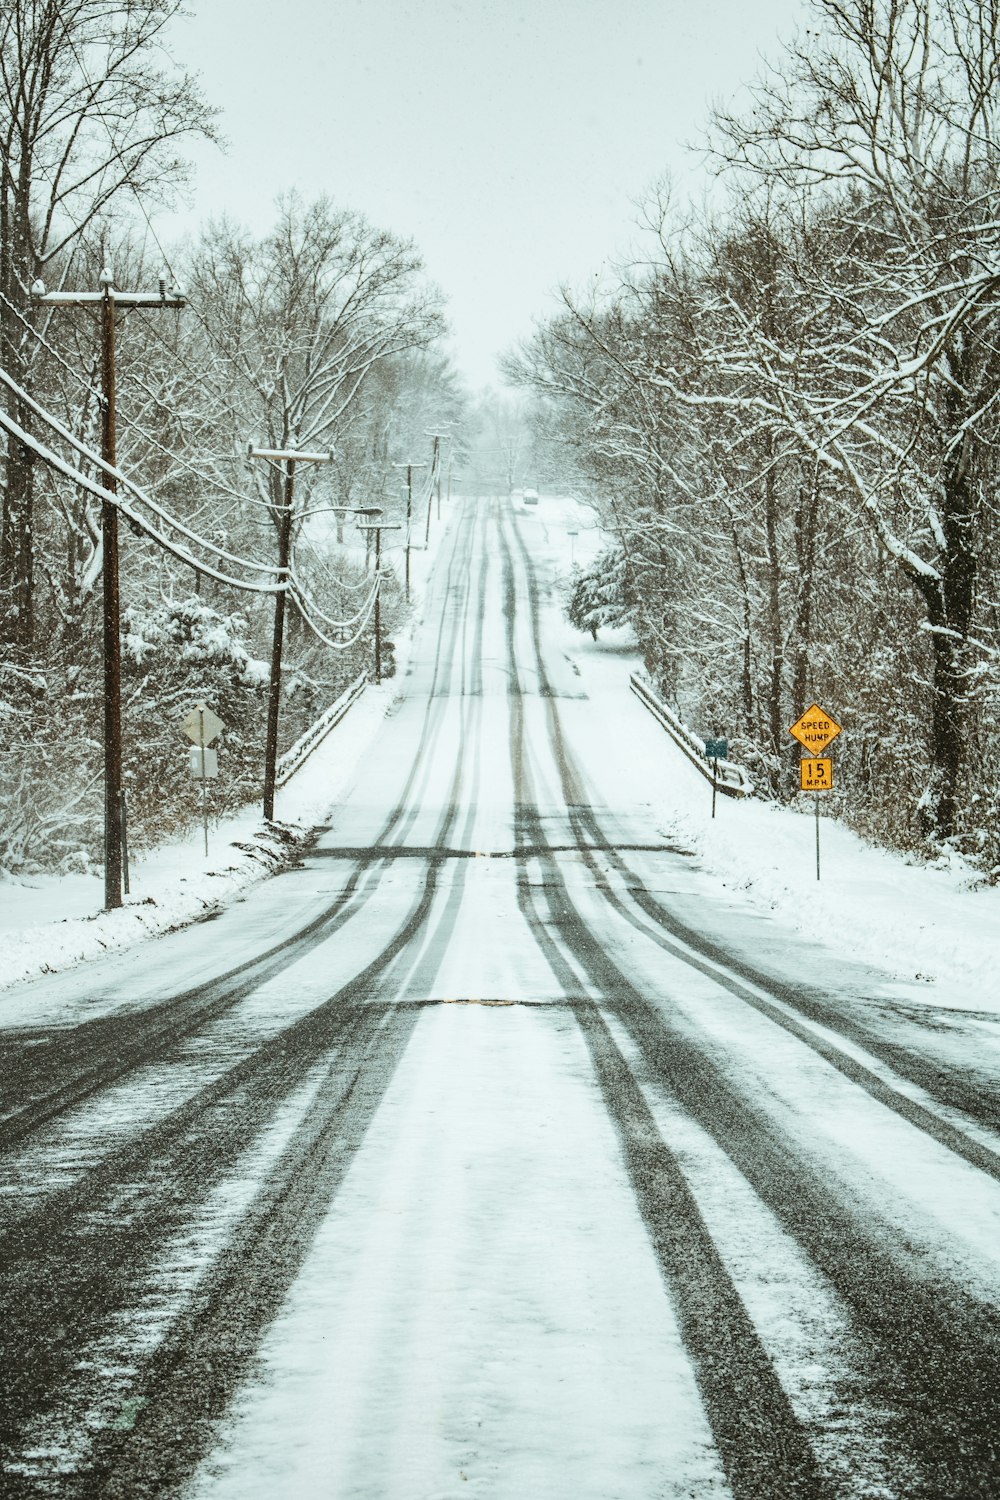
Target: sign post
815, 730
816, 775
716, 750
203, 726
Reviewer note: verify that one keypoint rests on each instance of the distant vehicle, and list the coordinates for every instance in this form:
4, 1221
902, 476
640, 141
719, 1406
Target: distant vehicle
531, 497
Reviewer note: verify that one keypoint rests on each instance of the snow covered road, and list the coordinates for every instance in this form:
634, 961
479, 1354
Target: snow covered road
494, 1151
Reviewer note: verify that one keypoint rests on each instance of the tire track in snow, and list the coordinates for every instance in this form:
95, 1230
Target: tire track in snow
764, 1449
736, 974
189, 1381
933, 1348
127, 1466
762, 1445
95, 1254
44, 1074
86, 1256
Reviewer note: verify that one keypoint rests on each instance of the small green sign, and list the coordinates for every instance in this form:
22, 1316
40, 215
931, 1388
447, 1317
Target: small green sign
716, 749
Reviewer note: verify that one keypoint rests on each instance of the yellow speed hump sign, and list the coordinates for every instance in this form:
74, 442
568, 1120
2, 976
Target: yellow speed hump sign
816, 774
815, 730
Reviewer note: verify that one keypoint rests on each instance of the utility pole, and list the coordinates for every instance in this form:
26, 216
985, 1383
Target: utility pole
435, 475
372, 512
437, 436
378, 530
289, 457
110, 300
409, 515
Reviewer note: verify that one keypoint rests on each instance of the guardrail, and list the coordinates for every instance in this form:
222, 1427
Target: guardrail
295, 758
732, 780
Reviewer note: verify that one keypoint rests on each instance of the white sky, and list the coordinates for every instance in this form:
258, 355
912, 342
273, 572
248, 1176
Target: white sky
509, 138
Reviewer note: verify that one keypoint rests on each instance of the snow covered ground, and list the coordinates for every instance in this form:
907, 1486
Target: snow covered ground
475, 1156
937, 927
50, 922
421, 1286
934, 928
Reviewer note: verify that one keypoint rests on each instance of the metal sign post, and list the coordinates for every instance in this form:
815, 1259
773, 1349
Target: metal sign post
815, 730
716, 750
816, 775
203, 726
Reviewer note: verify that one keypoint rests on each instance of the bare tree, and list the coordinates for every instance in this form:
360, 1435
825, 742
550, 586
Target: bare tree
91, 112
879, 137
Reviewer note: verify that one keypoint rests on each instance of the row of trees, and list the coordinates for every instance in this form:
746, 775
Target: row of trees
318, 334
792, 412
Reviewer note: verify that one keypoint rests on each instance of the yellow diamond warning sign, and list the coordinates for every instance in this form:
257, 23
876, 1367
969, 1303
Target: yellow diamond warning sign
816, 774
815, 729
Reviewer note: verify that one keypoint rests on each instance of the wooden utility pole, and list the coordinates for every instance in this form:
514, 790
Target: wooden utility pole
435, 475
110, 300
372, 512
289, 457
378, 530
409, 515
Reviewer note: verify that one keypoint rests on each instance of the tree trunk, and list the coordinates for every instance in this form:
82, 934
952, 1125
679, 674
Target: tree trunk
17, 549
951, 611
775, 696
746, 664
805, 548
949, 602
17, 546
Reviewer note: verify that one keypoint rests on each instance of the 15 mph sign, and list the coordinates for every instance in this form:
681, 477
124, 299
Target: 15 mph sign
815, 730
815, 774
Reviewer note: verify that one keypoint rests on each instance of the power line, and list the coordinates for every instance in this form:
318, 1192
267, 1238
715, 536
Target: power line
113, 472
340, 645
294, 588
37, 334
184, 463
334, 624
77, 476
